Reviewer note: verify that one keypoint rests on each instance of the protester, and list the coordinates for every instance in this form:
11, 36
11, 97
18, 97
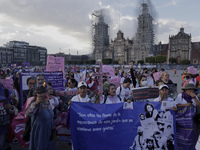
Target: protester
110, 96
142, 81
72, 85
93, 84
187, 97
26, 93
164, 97
5, 98
165, 78
123, 78
42, 114
124, 91
82, 96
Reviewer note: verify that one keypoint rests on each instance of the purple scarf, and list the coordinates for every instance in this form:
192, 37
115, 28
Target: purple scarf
186, 97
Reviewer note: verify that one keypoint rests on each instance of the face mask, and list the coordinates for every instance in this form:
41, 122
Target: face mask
144, 83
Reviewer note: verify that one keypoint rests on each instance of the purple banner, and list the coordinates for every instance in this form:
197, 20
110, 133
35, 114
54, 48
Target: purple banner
56, 78
185, 133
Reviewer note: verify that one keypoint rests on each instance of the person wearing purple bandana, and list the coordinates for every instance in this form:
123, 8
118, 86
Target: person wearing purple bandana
187, 97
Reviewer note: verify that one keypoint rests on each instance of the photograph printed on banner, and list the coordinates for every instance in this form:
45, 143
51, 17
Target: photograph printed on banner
155, 131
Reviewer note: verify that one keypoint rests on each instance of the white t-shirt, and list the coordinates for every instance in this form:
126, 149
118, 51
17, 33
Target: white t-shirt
112, 100
180, 100
125, 92
77, 98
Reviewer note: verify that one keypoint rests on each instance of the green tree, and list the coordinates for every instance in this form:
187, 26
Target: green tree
115, 62
140, 62
107, 61
160, 59
185, 62
173, 60
92, 61
150, 59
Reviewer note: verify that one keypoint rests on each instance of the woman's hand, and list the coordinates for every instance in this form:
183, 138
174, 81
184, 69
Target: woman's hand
174, 108
40, 100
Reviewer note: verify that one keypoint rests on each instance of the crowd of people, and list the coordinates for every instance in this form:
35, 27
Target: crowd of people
44, 105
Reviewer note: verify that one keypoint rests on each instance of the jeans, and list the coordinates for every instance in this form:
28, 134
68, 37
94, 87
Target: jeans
2, 141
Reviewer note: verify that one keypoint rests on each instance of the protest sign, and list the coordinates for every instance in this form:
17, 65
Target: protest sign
115, 81
109, 69
145, 93
192, 70
157, 75
4, 113
185, 132
7, 83
55, 64
13, 65
56, 78
99, 121
66, 96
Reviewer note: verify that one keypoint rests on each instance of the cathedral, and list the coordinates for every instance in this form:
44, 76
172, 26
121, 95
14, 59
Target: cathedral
142, 44
121, 49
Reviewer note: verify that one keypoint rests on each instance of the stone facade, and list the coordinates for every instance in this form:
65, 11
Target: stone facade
181, 47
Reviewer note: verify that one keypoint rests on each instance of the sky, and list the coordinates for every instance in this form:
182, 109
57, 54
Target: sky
65, 25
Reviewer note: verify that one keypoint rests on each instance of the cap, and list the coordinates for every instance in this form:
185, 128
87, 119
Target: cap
162, 86
82, 83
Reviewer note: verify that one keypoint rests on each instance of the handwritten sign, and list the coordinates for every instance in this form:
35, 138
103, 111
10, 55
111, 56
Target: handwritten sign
109, 69
7, 83
192, 70
157, 75
140, 94
115, 81
4, 114
55, 64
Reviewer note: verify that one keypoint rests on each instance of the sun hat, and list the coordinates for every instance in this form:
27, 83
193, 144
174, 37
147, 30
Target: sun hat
189, 86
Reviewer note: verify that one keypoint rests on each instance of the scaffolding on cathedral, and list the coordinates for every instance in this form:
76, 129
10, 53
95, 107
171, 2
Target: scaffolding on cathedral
99, 32
146, 34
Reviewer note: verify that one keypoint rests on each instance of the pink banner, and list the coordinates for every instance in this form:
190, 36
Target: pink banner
7, 83
55, 64
116, 81
157, 75
192, 70
109, 69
